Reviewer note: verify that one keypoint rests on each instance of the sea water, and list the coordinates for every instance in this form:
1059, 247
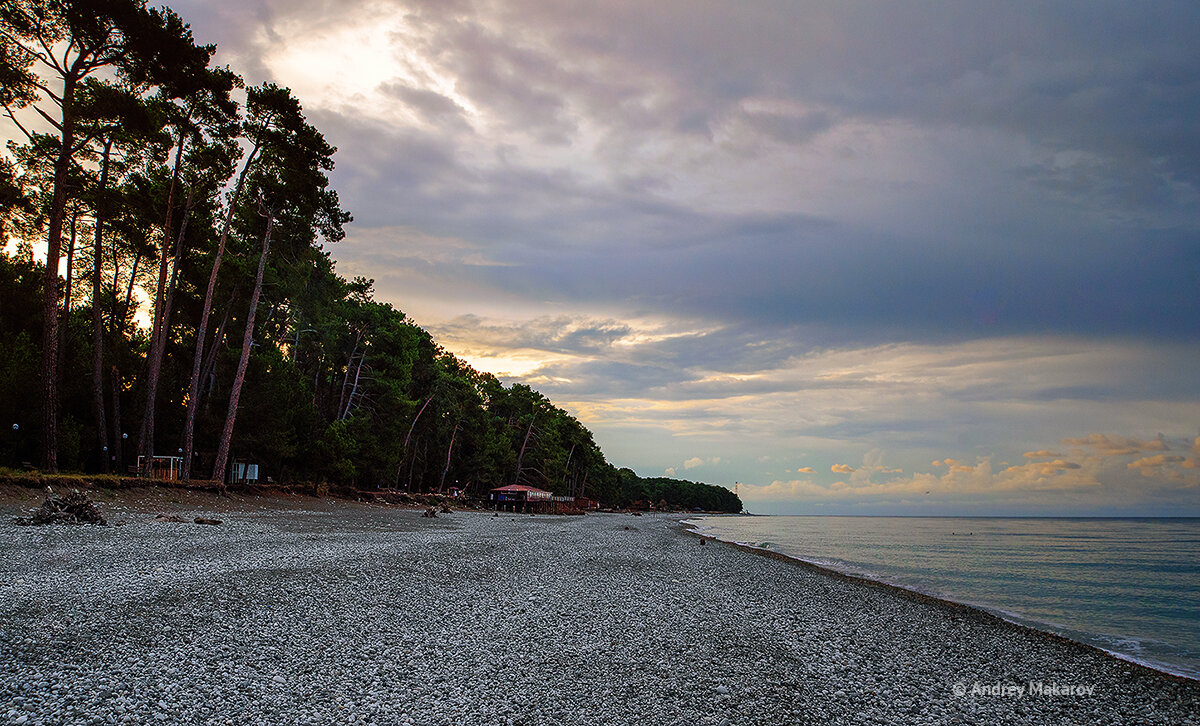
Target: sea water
1129, 586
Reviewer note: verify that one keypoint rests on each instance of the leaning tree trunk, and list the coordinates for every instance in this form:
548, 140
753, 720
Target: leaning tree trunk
449, 451
567, 466
207, 372
158, 335
346, 378
354, 389
521, 456
189, 422
408, 436
58, 207
98, 317
243, 361
169, 302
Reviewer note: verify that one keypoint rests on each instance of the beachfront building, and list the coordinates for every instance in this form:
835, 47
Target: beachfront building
586, 504
524, 498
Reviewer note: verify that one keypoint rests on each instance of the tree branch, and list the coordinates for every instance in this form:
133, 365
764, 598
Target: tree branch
46, 89
9, 113
48, 49
48, 118
83, 143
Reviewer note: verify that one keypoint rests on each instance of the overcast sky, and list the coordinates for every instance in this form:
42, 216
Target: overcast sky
868, 258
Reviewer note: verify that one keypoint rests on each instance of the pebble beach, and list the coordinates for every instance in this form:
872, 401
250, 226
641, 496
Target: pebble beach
321, 612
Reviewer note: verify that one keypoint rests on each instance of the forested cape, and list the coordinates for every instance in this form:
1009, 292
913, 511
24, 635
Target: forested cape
200, 316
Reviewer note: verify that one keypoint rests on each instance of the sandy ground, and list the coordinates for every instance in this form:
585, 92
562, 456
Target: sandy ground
297, 610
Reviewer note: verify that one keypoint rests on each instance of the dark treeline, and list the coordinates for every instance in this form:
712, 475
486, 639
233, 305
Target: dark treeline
200, 316
675, 494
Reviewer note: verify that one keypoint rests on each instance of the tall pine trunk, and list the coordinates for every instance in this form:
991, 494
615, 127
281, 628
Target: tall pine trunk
158, 334
244, 360
58, 208
169, 302
210, 358
98, 317
189, 422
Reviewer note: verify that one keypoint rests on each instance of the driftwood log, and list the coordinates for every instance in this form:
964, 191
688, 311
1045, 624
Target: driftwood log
74, 508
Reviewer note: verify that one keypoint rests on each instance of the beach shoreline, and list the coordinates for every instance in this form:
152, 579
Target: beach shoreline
315, 611
939, 602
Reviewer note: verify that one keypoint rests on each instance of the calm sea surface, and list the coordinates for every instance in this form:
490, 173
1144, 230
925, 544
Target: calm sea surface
1130, 586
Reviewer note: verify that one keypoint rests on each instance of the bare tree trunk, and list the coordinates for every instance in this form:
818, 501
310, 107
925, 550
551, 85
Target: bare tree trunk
210, 358
449, 451
412, 464
521, 456
159, 345
567, 466
58, 208
354, 389
168, 304
407, 437
158, 333
244, 361
296, 343
97, 317
189, 424
346, 378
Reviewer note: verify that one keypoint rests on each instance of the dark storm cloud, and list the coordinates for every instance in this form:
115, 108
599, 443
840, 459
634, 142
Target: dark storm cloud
1111, 89
433, 107
786, 272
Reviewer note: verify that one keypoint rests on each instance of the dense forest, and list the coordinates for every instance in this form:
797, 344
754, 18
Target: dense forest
200, 315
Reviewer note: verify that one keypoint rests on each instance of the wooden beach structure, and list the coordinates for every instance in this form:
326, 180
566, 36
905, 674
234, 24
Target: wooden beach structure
524, 498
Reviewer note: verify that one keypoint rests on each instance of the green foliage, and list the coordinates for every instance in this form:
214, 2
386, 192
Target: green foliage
676, 493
